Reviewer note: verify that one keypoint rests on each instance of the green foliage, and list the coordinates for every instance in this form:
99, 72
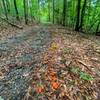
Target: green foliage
42, 10
85, 76
82, 75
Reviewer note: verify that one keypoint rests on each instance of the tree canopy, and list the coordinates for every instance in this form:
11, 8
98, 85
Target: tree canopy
82, 15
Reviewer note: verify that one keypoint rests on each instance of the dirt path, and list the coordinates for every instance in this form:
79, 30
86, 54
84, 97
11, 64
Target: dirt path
18, 56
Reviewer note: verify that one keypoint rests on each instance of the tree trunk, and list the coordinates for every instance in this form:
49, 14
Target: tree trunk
53, 4
31, 10
16, 10
94, 22
64, 12
39, 10
49, 10
8, 6
25, 12
78, 15
97, 29
5, 10
82, 15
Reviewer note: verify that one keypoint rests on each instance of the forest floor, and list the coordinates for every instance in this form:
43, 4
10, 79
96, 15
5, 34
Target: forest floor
48, 63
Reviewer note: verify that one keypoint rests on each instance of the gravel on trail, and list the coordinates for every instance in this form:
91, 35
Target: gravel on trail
18, 56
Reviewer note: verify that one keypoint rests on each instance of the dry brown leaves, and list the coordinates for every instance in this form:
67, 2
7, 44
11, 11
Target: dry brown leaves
53, 80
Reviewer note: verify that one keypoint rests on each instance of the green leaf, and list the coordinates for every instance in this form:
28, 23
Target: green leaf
85, 76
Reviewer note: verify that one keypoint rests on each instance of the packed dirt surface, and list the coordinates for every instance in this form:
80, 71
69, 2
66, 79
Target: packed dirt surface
18, 57
7, 30
49, 63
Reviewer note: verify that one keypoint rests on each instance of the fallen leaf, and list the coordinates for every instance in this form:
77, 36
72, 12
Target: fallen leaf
40, 89
53, 77
55, 85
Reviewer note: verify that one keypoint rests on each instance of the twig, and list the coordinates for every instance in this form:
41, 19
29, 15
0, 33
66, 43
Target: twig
87, 66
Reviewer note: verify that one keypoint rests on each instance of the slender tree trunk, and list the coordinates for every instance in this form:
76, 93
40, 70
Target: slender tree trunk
64, 12
94, 16
39, 10
31, 10
49, 10
82, 15
30, 3
94, 22
1, 8
78, 15
5, 10
53, 4
97, 29
58, 13
89, 7
25, 12
16, 10
8, 6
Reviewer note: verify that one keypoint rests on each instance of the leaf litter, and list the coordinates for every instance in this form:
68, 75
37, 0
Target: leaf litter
67, 69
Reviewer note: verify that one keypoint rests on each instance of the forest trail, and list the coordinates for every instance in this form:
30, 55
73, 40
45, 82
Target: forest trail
49, 49
16, 55
49, 62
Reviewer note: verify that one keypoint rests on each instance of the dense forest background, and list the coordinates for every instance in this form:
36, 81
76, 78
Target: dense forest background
81, 15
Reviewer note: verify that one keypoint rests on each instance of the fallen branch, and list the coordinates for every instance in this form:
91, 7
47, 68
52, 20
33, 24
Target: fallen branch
20, 27
84, 64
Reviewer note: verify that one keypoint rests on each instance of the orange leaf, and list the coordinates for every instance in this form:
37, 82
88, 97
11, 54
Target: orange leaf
53, 78
40, 89
55, 85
